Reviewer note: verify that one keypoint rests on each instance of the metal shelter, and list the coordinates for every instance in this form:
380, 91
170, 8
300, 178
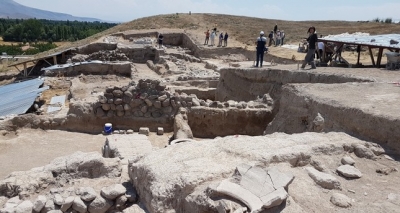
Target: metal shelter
45, 61
380, 42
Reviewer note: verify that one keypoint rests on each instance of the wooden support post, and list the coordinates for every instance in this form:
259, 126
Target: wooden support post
55, 60
358, 51
63, 57
372, 56
379, 59
25, 70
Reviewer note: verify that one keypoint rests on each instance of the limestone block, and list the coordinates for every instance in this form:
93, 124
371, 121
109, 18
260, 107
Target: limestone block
236, 191
126, 99
128, 93
135, 102
162, 98
120, 202
118, 93
100, 205
363, 152
129, 131
182, 129
148, 102
346, 160
134, 209
120, 113
143, 96
79, 205
173, 104
144, 109
274, 198
106, 107
118, 101
102, 99
144, 131
157, 104
39, 203
67, 203
58, 199
113, 191
160, 131
113, 107
88, 193
48, 206
280, 179
340, 200
349, 171
325, 180
24, 207
166, 103
119, 108
127, 107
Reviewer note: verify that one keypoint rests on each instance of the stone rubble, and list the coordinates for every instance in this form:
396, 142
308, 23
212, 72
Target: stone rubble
349, 171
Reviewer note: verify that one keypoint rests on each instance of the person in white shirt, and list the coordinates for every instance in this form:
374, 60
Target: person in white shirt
321, 46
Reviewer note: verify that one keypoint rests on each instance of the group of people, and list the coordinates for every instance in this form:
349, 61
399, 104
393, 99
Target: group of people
223, 38
312, 40
276, 36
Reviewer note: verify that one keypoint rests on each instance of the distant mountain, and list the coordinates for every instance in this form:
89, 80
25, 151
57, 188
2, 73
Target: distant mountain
13, 10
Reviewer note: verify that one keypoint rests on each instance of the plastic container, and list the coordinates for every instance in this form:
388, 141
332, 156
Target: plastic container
108, 128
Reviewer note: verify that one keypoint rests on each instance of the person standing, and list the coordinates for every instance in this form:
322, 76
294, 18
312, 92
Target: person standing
221, 38
278, 38
207, 36
321, 47
271, 38
261, 42
212, 37
226, 39
312, 44
160, 40
282, 36
275, 28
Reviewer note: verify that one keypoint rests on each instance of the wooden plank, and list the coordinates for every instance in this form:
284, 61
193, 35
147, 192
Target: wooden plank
372, 56
55, 60
32, 68
25, 70
359, 51
379, 59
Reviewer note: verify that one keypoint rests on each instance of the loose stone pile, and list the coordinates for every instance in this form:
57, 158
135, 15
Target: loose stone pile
108, 56
83, 199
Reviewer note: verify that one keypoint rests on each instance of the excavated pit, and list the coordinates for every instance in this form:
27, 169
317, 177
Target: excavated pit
298, 117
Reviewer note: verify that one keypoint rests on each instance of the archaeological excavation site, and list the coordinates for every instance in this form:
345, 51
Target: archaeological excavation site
124, 125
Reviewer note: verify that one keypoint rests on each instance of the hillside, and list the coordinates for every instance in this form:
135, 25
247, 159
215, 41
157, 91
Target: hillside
13, 10
240, 28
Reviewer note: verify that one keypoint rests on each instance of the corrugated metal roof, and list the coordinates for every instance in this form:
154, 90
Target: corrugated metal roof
374, 40
17, 98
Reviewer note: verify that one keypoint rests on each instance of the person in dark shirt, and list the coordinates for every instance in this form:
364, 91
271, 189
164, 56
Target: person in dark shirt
261, 42
226, 39
312, 44
160, 40
271, 38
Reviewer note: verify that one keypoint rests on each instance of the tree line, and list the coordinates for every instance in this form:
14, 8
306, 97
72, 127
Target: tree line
34, 30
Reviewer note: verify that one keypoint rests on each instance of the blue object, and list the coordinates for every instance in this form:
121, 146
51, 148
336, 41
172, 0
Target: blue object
108, 128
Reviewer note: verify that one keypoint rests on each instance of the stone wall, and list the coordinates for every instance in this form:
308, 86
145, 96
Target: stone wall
138, 53
95, 47
247, 84
90, 68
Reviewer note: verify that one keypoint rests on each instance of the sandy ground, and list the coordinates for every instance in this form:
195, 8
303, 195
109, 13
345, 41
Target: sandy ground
29, 148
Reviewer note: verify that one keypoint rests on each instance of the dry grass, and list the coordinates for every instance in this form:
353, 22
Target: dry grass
242, 29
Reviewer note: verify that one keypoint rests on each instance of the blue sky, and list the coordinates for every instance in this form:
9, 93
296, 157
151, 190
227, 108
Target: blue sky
127, 10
